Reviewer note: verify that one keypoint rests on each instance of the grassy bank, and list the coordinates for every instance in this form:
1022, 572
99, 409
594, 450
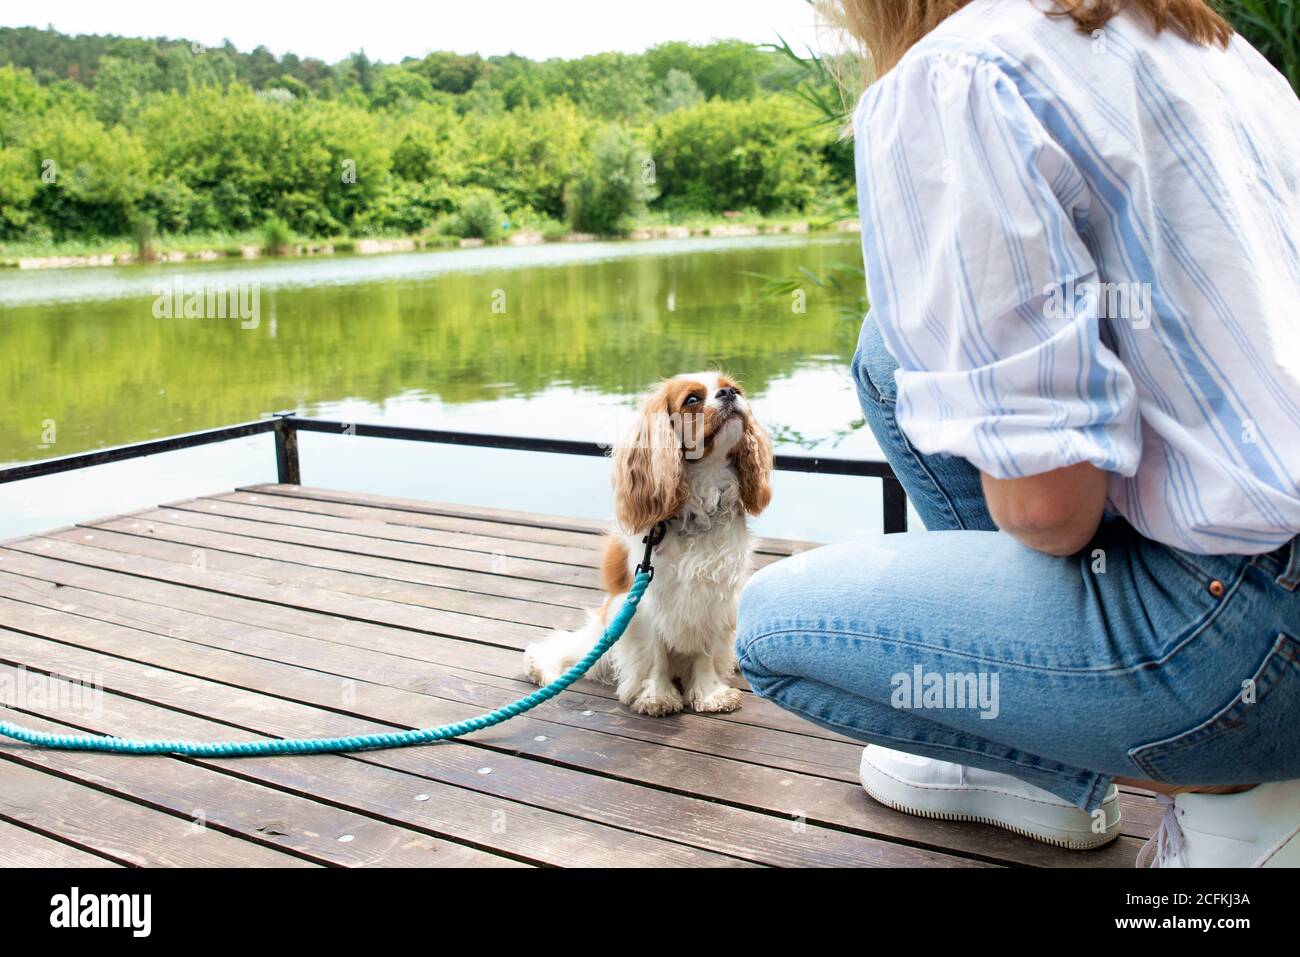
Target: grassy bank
254, 244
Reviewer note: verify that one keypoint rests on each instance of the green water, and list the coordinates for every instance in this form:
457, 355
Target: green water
553, 340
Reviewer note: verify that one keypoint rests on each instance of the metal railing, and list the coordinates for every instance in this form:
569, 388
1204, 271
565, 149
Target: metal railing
286, 426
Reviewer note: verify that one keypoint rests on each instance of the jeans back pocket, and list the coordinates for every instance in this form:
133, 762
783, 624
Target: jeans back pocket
1254, 738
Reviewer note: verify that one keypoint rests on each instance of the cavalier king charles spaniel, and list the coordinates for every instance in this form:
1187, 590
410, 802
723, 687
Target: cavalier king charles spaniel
697, 459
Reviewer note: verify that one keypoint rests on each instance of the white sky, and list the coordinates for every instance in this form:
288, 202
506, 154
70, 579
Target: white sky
392, 29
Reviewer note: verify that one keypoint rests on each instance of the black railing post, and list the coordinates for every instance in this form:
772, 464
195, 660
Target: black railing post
286, 450
895, 505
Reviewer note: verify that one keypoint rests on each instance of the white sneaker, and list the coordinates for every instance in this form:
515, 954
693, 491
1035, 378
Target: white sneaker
1255, 828
953, 792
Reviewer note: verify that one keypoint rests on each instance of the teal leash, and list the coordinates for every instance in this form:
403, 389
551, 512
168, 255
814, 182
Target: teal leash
361, 742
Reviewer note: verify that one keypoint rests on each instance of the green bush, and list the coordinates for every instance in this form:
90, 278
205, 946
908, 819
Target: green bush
614, 187
277, 237
145, 234
554, 231
724, 155
440, 241
478, 216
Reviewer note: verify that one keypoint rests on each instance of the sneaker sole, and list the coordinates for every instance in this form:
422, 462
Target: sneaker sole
910, 799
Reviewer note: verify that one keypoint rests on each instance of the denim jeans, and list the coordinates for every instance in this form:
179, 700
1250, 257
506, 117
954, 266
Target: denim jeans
1129, 659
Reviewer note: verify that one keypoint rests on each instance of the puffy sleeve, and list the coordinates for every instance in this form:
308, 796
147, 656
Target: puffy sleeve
977, 275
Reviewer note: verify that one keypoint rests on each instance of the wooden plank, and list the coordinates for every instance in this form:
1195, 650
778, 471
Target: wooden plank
317, 549
439, 521
228, 553
20, 847
499, 565
119, 829
585, 557
489, 514
314, 831
200, 696
171, 609
773, 546
445, 520
287, 594
818, 800
23, 600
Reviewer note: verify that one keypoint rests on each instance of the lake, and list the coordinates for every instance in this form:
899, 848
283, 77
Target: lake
552, 340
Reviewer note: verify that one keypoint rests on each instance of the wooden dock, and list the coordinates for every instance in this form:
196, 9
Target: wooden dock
287, 611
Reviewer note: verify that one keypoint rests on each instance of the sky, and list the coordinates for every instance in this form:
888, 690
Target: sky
389, 30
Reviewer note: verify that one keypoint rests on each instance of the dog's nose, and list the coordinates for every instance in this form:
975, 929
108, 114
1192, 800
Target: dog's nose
727, 394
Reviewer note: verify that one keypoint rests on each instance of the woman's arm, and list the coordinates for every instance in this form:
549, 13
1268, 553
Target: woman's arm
1055, 512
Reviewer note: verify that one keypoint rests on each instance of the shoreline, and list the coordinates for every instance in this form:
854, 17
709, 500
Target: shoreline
372, 246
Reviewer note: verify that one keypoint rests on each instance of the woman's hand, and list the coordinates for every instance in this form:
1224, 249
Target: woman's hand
1056, 512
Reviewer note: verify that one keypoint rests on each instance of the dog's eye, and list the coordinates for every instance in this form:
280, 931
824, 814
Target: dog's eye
692, 400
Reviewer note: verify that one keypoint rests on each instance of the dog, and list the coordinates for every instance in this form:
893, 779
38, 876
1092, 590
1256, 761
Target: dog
697, 459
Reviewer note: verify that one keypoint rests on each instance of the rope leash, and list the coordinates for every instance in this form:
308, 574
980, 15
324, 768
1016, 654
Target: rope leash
362, 742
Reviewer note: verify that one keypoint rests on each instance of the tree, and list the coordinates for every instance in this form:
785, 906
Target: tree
613, 188
728, 69
120, 87
19, 181
761, 154
21, 98
363, 71
449, 72
678, 92
90, 178
397, 85
527, 156
608, 85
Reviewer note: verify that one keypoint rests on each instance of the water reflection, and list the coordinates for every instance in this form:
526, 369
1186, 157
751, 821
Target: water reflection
551, 340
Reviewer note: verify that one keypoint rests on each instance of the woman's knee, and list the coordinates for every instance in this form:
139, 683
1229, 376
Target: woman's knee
764, 603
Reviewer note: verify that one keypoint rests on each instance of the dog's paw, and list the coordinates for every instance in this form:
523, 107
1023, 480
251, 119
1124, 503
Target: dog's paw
539, 672
657, 700
721, 699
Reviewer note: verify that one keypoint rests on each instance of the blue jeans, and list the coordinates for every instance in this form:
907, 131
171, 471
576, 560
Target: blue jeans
1129, 659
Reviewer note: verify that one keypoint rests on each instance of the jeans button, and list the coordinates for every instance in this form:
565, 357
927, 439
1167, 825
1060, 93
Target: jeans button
1216, 588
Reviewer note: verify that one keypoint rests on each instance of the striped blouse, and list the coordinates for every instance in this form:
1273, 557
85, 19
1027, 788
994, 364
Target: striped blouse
1087, 249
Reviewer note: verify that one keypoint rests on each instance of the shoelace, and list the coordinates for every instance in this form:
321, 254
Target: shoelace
1167, 841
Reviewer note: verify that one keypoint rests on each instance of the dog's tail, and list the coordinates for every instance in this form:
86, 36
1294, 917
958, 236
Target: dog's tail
559, 651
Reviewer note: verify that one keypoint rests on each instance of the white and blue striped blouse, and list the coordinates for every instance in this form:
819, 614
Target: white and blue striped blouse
1087, 249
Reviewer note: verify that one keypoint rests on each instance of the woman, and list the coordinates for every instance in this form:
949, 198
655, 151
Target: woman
1082, 241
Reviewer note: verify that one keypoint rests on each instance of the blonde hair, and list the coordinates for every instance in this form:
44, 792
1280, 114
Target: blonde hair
887, 29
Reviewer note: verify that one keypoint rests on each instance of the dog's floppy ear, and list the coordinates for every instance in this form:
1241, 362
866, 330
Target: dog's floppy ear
753, 460
649, 469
